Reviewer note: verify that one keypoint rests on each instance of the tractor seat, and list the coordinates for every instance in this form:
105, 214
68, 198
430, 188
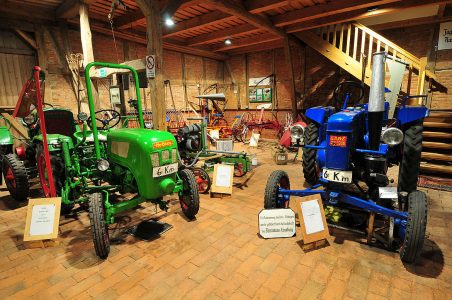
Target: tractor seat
59, 121
90, 137
264, 106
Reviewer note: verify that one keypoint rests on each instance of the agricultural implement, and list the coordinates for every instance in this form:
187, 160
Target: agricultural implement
98, 165
346, 157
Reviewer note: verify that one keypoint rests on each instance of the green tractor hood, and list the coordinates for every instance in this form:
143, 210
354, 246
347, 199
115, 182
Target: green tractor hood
132, 148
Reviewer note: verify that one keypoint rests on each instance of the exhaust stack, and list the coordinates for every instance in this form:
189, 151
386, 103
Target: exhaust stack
376, 106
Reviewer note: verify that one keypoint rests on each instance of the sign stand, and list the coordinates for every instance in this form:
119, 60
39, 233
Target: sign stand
42, 222
223, 176
311, 216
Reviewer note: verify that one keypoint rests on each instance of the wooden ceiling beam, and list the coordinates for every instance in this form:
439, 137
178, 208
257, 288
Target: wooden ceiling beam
324, 10
222, 34
258, 47
244, 42
140, 39
209, 19
26, 37
410, 22
234, 9
260, 6
361, 14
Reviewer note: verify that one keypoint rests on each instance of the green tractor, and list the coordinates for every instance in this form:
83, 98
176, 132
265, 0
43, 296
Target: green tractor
100, 165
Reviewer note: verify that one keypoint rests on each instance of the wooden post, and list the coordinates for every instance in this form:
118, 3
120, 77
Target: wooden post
421, 77
151, 11
87, 47
293, 93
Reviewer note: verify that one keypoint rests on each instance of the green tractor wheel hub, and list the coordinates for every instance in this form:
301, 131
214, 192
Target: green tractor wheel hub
167, 185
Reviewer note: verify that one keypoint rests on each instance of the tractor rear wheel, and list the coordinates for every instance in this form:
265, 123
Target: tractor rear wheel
99, 227
415, 227
202, 179
189, 196
410, 165
310, 167
58, 174
16, 177
278, 179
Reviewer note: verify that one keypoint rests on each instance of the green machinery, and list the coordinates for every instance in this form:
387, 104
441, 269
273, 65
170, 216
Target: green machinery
193, 144
100, 164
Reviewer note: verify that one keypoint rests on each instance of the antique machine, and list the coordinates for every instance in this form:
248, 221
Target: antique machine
346, 158
101, 164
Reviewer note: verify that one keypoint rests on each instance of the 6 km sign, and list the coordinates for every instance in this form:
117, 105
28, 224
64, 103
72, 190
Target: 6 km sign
150, 66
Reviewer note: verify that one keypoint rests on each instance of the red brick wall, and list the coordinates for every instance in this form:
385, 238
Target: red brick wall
315, 76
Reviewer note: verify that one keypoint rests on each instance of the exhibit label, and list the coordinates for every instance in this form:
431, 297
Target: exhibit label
445, 36
277, 223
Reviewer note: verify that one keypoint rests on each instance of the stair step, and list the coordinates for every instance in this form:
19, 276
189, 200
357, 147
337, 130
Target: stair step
436, 156
437, 125
435, 134
436, 168
435, 119
436, 145
441, 114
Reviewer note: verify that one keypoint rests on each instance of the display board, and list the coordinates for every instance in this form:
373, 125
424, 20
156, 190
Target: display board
223, 176
445, 36
312, 219
43, 218
277, 223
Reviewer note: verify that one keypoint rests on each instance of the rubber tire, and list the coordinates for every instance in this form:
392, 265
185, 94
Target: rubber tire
99, 228
410, 165
21, 191
415, 228
276, 180
310, 170
191, 191
59, 176
204, 175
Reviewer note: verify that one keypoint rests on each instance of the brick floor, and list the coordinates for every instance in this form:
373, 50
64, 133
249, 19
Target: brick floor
220, 256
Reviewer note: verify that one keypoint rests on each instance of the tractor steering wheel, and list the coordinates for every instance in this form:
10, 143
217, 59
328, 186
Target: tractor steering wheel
345, 91
107, 116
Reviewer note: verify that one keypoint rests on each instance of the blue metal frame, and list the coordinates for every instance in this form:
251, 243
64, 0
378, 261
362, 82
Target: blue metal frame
346, 198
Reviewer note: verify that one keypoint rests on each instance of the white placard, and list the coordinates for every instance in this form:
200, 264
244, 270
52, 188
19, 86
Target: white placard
150, 66
388, 192
312, 216
42, 219
254, 139
445, 36
215, 134
277, 223
259, 81
223, 178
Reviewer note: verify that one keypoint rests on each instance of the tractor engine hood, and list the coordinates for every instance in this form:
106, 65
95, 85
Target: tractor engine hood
131, 148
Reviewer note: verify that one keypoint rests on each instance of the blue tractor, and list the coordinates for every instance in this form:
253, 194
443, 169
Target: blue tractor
346, 156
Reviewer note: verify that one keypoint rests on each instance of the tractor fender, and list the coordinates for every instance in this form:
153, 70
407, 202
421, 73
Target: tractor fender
319, 114
408, 114
6, 137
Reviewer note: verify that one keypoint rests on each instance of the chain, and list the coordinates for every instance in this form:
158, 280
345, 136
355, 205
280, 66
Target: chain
114, 39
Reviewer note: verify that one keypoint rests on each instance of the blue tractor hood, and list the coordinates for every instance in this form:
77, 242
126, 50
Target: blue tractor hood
343, 120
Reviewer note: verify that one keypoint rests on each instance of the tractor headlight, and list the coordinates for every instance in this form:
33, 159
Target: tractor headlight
392, 136
103, 165
174, 155
155, 159
296, 132
30, 119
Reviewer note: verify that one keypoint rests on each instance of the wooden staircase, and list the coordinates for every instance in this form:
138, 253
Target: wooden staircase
437, 144
350, 46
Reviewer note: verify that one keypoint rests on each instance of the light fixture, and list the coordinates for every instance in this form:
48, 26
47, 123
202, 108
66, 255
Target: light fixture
169, 22
228, 42
372, 9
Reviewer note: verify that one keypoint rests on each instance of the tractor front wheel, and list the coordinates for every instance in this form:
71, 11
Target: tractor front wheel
278, 179
202, 179
189, 196
16, 177
310, 166
415, 227
99, 227
410, 165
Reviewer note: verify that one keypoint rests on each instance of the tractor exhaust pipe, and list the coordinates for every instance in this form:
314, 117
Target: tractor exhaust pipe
376, 106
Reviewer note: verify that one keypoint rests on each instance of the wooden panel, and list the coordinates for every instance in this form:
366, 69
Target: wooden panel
15, 67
